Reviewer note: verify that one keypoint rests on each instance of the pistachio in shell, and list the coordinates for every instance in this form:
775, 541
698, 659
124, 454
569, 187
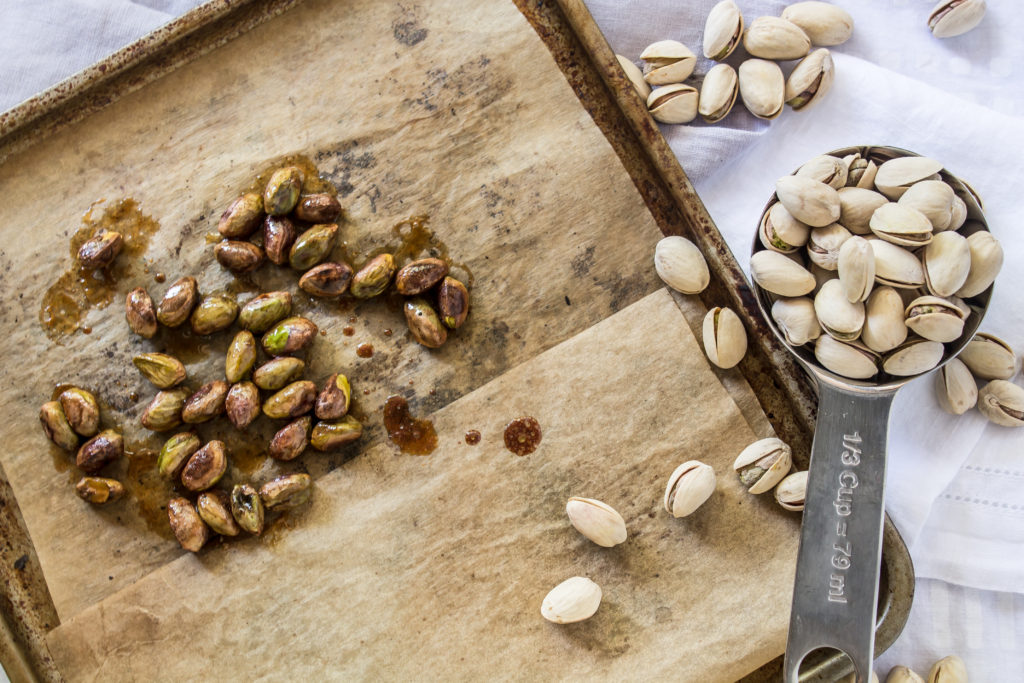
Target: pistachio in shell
101, 250
242, 217
177, 304
425, 326
97, 452
827, 169
175, 453
810, 80
718, 93
675, 103
242, 404
775, 38
680, 265
81, 410
809, 200
946, 263
913, 357
374, 277
188, 527
277, 372
895, 176
840, 317
763, 464
279, 235
885, 325
140, 313
205, 467
781, 232
289, 336
99, 490
901, 224
778, 274
667, 61
954, 17
725, 340
312, 246
856, 205
796, 319
238, 256
282, 191
419, 276
240, 356
260, 313
635, 76
164, 412
334, 399
328, 436
989, 357
723, 30
327, 280
856, 264
933, 198
986, 262
848, 359
213, 314
286, 492
824, 24
214, 507
247, 508
318, 208
162, 370
289, 441
452, 302
955, 388
896, 266
206, 403
56, 426
295, 399
1002, 402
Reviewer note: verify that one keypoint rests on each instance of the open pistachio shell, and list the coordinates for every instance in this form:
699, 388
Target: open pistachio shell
935, 319
955, 388
792, 491
781, 232
762, 88
725, 340
763, 464
723, 30
895, 266
676, 103
824, 244
718, 93
1002, 402
885, 325
635, 76
912, 357
954, 17
989, 357
689, 486
838, 316
796, 319
933, 198
901, 224
810, 81
825, 169
667, 61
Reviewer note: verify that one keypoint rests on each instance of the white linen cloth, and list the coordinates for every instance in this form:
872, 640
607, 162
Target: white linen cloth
954, 484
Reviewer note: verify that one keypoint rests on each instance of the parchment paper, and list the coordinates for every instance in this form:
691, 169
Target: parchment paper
435, 567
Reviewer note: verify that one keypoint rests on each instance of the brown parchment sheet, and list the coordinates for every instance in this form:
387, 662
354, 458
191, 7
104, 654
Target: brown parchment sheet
435, 567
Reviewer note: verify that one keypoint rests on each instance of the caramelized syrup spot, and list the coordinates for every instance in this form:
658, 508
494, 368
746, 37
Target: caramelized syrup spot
364, 350
348, 330
146, 492
472, 437
522, 435
412, 435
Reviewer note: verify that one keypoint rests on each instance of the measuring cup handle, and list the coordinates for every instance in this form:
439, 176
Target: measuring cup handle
836, 589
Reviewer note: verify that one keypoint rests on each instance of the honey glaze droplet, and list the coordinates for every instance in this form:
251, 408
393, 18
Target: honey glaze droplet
364, 350
348, 330
412, 435
472, 437
522, 435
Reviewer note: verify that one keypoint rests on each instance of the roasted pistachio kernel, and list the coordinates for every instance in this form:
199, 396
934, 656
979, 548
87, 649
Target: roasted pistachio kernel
334, 399
81, 410
164, 411
241, 218
140, 313
279, 235
175, 453
213, 314
419, 276
285, 492
312, 246
374, 277
260, 313
288, 336
424, 324
206, 403
188, 527
289, 441
178, 302
56, 426
295, 399
318, 208
240, 357
101, 250
238, 256
99, 490
162, 370
326, 280
205, 467
214, 507
452, 302
104, 448
328, 436
282, 191
247, 508
278, 372
242, 404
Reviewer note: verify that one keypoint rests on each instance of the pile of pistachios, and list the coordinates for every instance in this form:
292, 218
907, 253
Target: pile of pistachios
759, 82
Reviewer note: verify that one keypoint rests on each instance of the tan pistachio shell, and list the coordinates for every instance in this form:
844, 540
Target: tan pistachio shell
781, 232
676, 103
796, 319
913, 357
635, 76
955, 388
848, 359
775, 38
667, 61
810, 201
824, 24
780, 275
1002, 403
901, 224
955, 17
810, 81
718, 93
885, 325
935, 319
838, 316
895, 176
989, 357
725, 340
933, 198
947, 263
895, 266
680, 265
825, 169
824, 244
723, 30
762, 88
856, 205
986, 262
856, 268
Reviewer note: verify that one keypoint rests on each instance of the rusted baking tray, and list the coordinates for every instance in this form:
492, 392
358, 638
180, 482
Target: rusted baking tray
786, 395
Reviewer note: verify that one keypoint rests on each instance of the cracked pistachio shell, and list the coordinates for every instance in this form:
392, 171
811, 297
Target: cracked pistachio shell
825, 169
955, 388
680, 265
885, 325
762, 88
188, 527
56, 426
278, 372
856, 205
205, 467
213, 314
933, 198
763, 464
775, 38
240, 356
419, 276
140, 313
635, 76
838, 316
238, 256
824, 244
312, 246
913, 357
282, 191
723, 30
597, 521
573, 600
954, 17
175, 453
279, 235
164, 411
689, 487
725, 340
949, 669
260, 313
99, 490
901, 674
327, 280
989, 357
848, 359
792, 491
318, 208
959, 213
214, 507
81, 410
676, 103
780, 275
823, 23
289, 336
327, 436
809, 82
101, 250
901, 224
986, 262
242, 217
856, 268
895, 266
286, 492
424, 324
100, 450
162, 370
334, 399
289, 441
292, 401
810, 201
667, 61
242, 404
373, 278
452, 302
718, 93
780, 232
206, 403
796, 319
946, 263
861, 172
177, 304
247, 508
894, 177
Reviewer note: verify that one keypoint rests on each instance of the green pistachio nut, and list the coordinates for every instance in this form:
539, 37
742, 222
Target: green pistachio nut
332, 403
162, 370
289, 441
205, 467
260, 314
99, 490
241, 356
312, 246
374, 277
56, 426
424, 324
278, 372
97, 452
175, 453
288, 336
188, 527
328, 280
328, 436
243, 216
214, 508
213, 314
452, 302
81, 410
242, 404
140, 313
101, 250
206, 403
419, 276
294, 400
247, 508
177, 304
164, 412
279, 235
238, 256
282, 191
288, 491
318, 208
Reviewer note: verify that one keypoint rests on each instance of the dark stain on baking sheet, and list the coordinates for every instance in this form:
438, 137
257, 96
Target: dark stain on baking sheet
408, 32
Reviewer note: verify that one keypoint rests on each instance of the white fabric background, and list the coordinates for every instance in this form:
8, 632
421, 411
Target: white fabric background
954, 484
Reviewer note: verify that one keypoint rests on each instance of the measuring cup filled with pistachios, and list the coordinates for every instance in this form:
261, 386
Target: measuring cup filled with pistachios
873, 265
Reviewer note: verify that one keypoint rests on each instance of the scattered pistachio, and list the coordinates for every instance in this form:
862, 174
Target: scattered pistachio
140, 314
99, 490
242, 404
572, 600
791, 491
286, 492
56, 426
247, 508
597, 521
178, 302
334, 399
949, 669
206, 403
289, 441
1002, 403
81, 410
312, 246
213, 314
277, 372
725, 340
425, 326
240, 357
260, 313
282, 191
162, 370
241, 218
689, 486
763, 464
452, 302
175, 453
214, 508
240, 257
295, 399
419, 276
205, 467
164, 412
279, 234
374, 277
327, 436
97, 452
954, 17
188, 527
902, 674
326, 280
101, 250
288, 336
680, 265
318, 208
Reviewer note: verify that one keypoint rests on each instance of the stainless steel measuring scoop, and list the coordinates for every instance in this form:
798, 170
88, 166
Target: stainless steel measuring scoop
835, 594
